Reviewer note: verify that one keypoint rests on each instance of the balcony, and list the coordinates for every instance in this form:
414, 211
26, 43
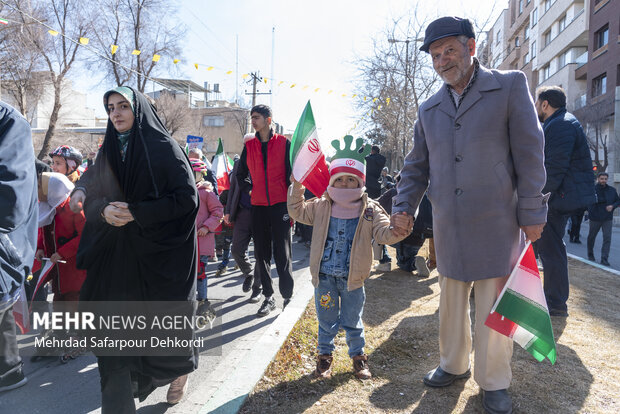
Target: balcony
581, 70
574, 35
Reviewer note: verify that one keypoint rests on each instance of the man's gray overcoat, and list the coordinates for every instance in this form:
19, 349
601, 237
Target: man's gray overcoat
483, 165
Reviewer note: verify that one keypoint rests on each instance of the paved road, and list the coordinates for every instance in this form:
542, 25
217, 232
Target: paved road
74, 387
582, 251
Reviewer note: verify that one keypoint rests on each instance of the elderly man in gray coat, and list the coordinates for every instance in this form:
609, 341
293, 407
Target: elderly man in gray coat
478, 147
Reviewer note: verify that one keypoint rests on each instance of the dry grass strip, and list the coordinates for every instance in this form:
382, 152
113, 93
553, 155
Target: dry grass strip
401, 323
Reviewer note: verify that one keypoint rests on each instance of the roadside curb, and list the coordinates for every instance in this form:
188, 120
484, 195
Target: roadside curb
594, 264
249, 369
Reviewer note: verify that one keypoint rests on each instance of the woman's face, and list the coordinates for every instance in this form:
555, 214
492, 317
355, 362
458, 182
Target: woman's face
120, 113
59, 165
346, 181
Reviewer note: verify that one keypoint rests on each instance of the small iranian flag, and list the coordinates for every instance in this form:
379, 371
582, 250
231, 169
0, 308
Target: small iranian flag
3, 21
520, 311
307, 158
221, 167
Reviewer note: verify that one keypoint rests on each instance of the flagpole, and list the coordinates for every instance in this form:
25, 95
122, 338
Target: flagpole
514, 271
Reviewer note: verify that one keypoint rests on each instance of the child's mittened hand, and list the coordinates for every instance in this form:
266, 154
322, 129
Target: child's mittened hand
203, 231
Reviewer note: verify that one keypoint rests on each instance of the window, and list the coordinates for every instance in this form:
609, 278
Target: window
533, 50
547, 38
601, 38
599, 85
546, 72
520, 7
562, 24
564, 59
547, 4
526, 59
534, 18
517, 41
526, 35
499, 33
213, 121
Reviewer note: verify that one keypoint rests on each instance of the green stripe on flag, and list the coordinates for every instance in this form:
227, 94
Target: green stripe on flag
304, 129
531, 317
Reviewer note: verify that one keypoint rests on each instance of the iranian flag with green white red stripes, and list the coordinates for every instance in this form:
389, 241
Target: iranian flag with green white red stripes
520, 311
307, 158
221, 167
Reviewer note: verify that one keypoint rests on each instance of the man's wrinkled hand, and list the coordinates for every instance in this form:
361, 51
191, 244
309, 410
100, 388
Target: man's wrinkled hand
533, 232
401, 223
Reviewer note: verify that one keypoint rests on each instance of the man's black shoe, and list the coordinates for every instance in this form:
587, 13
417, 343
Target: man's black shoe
577, 241
496, 402
13, 378
558, 312
591, 258
286, 302
605, 262
256, 295
247, 283
440, 378
268, 305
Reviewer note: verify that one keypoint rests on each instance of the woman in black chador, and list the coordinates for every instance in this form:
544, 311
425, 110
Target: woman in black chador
139, 242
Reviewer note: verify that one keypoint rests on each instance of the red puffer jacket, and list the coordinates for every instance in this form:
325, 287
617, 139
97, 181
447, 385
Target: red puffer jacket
63, 236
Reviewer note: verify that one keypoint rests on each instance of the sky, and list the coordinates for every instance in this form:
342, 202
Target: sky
316, 44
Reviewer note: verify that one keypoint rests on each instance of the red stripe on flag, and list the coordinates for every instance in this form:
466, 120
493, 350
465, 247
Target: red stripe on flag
223, 183
500, 324
317, 179
529, 262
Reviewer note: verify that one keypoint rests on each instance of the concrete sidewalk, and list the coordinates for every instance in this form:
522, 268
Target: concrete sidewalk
244, 345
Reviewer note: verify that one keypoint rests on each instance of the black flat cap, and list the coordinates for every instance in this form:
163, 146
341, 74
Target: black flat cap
445, 27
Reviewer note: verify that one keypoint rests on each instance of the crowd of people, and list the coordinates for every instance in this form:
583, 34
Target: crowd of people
144, 219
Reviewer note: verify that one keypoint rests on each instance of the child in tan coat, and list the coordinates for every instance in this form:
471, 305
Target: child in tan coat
345, 221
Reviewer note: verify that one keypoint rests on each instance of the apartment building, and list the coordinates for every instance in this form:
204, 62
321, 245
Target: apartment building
598, 108
518, 39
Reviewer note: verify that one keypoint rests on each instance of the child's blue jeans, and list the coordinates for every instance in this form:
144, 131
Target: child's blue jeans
336, 307
201, 285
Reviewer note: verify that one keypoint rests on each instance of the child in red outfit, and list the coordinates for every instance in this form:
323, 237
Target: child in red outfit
59, 237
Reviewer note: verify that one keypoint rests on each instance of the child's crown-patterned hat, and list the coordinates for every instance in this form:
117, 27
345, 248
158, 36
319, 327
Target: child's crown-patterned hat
350, 160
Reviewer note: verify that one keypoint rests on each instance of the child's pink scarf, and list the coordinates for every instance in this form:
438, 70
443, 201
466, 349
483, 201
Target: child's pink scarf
346, 202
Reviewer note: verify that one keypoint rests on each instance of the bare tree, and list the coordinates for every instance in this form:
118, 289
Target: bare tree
59, 53
19, 66
136, 25
399, 77
593, 118
174, 112
241, 117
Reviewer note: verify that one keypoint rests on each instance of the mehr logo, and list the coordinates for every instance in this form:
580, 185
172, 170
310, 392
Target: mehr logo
313, 146
350, 163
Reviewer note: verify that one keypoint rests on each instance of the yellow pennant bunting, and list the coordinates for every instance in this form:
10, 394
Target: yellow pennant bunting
354, 95
305, 87
229, 72
293, 85
375, 99
330, 91
364, 99
135, 52
175, 61
156, 58
317, 89
387, 101
380, 106
210, 68
113, 48
265, 80
84, 40
245, 76
280, 83
344, 95
196, 66
53, 32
